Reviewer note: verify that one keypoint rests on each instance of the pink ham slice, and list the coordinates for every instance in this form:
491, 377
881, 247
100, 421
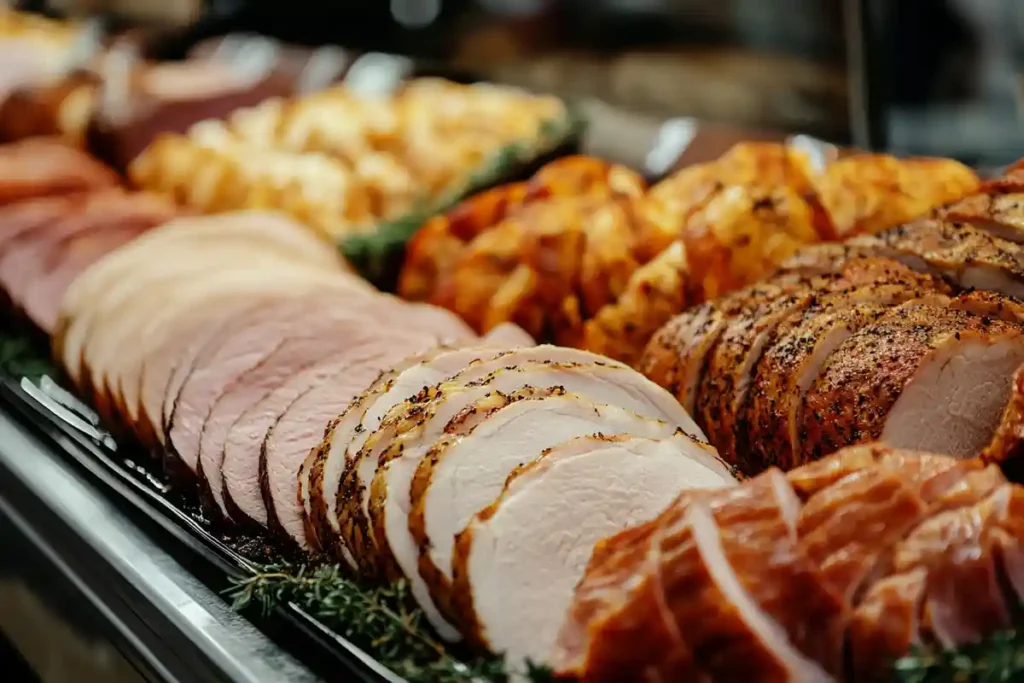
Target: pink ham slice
29, 255
358, 334
42, 295
23, 218
240, 470
301, 428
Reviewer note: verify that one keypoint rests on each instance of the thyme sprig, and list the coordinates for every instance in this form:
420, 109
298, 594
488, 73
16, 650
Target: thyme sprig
382, 620
995, 659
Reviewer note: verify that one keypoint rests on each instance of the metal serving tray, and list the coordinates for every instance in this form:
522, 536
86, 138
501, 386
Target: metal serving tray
65, 430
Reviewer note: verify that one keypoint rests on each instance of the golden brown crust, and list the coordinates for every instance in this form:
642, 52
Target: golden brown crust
850, 401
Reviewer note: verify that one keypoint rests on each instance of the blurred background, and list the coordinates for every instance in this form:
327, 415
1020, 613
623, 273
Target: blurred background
915, 76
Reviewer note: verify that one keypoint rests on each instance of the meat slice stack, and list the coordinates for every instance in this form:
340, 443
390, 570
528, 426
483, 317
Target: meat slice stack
827, 573
431, 451
804, 364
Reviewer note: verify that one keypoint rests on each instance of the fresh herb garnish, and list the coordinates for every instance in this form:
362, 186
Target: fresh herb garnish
995, 659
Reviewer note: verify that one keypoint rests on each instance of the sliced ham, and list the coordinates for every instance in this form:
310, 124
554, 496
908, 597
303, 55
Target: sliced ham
24, 218
518, 561
243, 496
464, 471
357, 334
302, 427
229, 356
922, 377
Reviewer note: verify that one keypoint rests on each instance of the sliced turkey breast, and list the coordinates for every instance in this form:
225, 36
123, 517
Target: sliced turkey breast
411, 429
518, 560
634, 392
921, 377
357, 334
302, 427
243, 497
323, 467
364, 417
465, 471
1001, 215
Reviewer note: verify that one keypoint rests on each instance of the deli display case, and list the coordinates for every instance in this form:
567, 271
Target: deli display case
483, 341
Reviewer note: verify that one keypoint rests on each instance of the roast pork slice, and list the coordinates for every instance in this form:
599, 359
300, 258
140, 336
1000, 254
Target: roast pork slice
358, 335
1001, 215
922, 377
519, 559
1007, 444
730, 634
243, 496
302, 427
179, 350
465, 471
323, 470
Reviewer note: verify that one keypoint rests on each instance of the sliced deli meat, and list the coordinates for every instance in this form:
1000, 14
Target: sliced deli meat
243, 494
357, 334
923, 377
302, 427
411, 429
518, 560
464, 472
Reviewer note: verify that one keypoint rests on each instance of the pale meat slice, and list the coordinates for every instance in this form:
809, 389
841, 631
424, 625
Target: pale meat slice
364, 417
42, 295
176, 264
519, 559
921, 377
179, 350
357, 334
730, 635
24, 218
243, 497
184, 239
231, 355
337, 460
323, 467
190, 301
148, 317
411, 429
303, 426
466, 469
29, 256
